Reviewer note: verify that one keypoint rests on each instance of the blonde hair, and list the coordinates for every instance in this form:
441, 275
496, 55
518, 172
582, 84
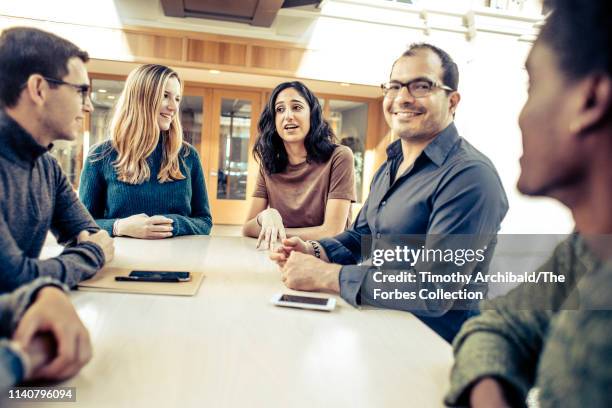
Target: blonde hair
134, 130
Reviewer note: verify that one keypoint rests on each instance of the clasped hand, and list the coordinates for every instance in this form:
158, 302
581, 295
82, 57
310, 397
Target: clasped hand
53, 337
301, 270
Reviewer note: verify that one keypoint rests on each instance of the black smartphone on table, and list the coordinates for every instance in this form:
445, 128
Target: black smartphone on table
155, 276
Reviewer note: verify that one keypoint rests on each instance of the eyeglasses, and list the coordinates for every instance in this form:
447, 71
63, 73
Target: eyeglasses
82, 89
418, 88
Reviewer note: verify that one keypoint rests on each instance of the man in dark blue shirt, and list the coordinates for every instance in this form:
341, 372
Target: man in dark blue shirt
434, 183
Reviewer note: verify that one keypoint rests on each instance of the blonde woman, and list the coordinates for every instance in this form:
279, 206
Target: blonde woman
146, 182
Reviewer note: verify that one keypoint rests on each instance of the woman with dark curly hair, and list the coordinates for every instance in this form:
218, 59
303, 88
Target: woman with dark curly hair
306, 182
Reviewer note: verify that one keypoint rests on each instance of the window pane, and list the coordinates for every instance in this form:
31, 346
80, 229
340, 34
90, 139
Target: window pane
234, 132
350, 123
70, 158
105, 93
191, 119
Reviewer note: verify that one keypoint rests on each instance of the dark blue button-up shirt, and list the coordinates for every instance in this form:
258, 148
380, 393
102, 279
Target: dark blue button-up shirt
451, 188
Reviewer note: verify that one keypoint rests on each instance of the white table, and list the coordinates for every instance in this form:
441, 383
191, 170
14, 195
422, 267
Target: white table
229, 347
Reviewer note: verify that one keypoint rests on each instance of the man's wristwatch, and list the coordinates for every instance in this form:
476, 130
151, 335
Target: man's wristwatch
316, 248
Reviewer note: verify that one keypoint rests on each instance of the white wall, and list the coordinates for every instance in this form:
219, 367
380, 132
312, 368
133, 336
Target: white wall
493, 88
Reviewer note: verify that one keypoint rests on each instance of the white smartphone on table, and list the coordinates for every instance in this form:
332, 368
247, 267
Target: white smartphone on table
304, 302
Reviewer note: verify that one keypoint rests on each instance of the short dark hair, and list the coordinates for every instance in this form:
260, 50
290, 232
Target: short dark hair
580, 33
450, 72
269, 149
25, 51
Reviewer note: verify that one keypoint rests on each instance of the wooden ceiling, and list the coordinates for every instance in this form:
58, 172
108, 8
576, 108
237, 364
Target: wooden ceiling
259, 13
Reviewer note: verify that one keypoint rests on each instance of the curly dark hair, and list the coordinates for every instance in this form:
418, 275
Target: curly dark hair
269, 149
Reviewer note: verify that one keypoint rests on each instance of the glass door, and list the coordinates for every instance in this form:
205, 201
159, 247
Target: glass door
232, 171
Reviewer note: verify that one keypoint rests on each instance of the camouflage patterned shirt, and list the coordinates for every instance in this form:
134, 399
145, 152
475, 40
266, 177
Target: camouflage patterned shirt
543, 335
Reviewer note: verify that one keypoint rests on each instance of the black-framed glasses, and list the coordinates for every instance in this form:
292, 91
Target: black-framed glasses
418, 88
83, 89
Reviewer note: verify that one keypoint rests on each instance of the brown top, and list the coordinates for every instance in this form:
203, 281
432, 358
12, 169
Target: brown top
300, 193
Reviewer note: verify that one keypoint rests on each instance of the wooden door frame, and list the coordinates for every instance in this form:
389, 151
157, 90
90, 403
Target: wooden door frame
231, 211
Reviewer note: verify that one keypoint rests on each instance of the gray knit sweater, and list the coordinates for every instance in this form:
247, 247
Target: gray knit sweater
35, 197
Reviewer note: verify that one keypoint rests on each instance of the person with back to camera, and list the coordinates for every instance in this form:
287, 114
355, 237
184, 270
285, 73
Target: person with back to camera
555, 337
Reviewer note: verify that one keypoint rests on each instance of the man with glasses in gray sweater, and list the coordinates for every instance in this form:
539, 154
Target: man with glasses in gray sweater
44, 95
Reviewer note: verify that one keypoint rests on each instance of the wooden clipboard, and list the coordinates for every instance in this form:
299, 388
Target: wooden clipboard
104, 281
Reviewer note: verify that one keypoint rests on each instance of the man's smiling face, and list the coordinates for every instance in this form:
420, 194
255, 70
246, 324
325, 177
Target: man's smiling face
421, 118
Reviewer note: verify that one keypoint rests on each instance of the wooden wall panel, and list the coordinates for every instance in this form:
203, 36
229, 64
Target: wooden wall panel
154, 46
216, 52
285, 59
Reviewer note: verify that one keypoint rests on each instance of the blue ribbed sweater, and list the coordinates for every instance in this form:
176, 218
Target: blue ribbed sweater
184, 201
